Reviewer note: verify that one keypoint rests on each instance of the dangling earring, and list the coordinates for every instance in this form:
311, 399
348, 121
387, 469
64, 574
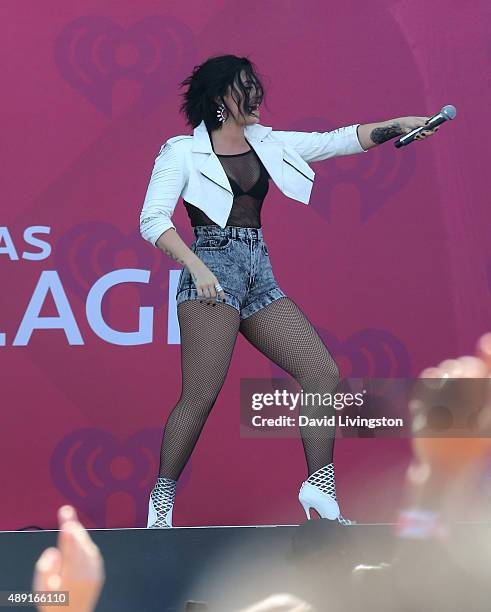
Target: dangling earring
220, 113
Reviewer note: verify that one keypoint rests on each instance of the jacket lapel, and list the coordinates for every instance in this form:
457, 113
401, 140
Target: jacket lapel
269, 152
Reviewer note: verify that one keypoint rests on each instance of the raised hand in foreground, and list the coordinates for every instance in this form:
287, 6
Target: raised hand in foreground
76, 565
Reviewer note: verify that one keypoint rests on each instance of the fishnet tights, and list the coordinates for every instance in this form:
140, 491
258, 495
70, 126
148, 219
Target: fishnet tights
208, 333
284, 334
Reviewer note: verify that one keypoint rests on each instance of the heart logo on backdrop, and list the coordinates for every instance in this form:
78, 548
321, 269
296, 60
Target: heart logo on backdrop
373, 353
379, 357
376, 176
92, 53
89, 465
87, 251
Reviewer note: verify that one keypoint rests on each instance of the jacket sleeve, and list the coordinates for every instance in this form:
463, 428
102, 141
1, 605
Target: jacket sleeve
316, 146
166, 185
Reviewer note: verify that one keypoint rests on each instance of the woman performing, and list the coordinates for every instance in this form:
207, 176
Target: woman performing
227, 285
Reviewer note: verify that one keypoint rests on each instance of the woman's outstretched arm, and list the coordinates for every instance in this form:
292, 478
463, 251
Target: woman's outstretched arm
348, 140
373, 134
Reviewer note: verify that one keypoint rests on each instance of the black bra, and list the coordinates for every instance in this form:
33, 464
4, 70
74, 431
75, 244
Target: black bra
260, 189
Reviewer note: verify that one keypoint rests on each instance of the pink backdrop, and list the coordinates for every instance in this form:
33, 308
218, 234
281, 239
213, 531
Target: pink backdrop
391, 261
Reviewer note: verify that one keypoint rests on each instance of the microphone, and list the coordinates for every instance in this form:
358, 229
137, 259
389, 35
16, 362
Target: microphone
447, 112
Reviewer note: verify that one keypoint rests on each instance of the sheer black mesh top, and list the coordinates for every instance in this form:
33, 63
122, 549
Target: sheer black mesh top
249, 181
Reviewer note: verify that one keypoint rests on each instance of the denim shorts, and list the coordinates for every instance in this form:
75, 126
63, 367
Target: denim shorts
238, 257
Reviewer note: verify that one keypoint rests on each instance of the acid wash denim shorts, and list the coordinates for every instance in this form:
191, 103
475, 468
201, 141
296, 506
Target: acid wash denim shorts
238, 257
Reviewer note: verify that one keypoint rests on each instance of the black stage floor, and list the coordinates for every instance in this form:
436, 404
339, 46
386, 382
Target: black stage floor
229, 567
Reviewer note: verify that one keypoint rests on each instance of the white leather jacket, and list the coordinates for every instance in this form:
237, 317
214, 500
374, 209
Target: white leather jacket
187, 166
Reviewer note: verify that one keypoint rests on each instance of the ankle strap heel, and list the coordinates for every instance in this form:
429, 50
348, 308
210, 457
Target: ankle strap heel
319, 492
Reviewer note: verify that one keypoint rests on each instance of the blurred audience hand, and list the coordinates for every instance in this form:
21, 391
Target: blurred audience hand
461, 390
76, 565
451, 409
280, 602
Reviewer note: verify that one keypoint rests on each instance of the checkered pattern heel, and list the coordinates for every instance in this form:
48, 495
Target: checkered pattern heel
319, 492
161, 503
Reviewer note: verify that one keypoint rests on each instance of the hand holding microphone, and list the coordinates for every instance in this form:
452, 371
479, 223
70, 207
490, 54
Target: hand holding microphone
418, 128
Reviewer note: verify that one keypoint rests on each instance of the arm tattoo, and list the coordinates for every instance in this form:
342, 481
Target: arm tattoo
175, 257
381, 134
164, 249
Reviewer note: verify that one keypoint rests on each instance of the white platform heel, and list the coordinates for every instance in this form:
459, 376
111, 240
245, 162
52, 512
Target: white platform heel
161, 504
319, 492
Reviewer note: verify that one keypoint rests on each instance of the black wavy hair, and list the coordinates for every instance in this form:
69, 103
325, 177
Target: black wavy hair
211, 80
